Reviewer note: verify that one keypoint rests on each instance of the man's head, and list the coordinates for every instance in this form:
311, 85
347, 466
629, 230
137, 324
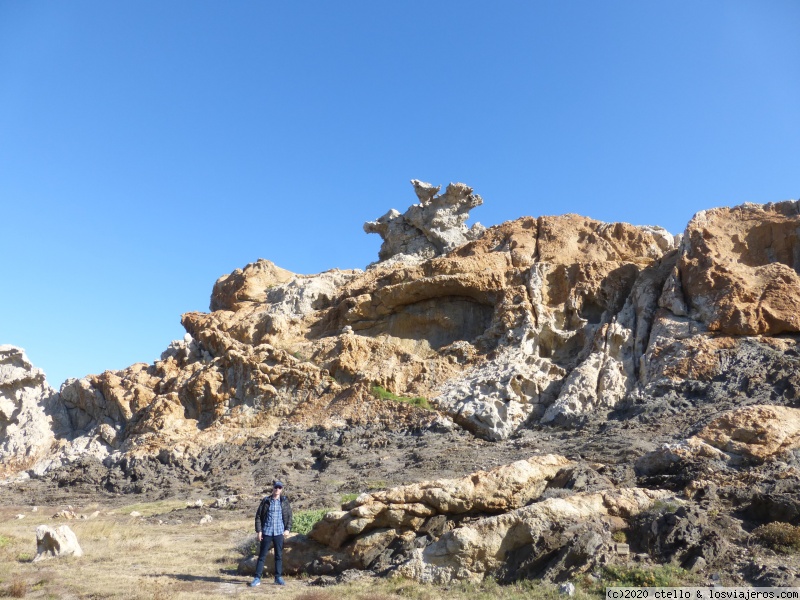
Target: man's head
277, 489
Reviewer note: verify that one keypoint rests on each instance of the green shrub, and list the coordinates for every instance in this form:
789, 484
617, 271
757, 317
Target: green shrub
384, 394
660, 576
620, 537
664, 506
780, 537
349, 498
305, 519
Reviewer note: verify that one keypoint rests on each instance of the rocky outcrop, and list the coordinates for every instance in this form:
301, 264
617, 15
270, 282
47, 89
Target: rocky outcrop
748, 435
581, 524
551, 320
25, 429
738, 270
247, 285
500, 522
433, 227
421, 506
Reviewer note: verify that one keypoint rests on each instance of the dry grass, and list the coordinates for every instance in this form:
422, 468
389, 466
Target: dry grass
139, 559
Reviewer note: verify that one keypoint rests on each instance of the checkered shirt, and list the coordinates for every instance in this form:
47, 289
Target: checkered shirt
274, 522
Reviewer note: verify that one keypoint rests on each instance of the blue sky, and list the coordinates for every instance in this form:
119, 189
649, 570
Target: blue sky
149, 147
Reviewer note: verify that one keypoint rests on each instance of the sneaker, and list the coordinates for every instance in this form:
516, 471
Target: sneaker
255, 582
279, 581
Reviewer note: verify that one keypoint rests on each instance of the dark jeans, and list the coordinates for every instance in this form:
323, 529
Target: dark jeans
266, 542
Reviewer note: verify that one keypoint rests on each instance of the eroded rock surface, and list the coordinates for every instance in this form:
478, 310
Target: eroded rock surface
612, 344
433, 227
25, 430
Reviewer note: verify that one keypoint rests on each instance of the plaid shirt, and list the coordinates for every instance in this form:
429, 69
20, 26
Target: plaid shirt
274, 522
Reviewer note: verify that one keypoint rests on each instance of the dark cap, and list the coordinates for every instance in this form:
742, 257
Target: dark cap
277, 483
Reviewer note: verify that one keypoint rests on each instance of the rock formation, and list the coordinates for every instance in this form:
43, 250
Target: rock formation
431, 228
612, 344
25, 430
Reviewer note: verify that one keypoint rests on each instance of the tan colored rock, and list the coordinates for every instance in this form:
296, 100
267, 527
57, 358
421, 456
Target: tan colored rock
249, 284
750, 434
738, 269
407, 507
472, 551
755, 432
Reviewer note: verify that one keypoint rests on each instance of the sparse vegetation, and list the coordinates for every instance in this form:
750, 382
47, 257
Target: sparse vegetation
304, 520
620, 537
374, 486
664, 506
349, 498
780, 537
384, 394
659, 576
18, 588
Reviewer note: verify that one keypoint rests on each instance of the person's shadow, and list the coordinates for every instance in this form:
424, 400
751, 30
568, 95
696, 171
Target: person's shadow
229, 576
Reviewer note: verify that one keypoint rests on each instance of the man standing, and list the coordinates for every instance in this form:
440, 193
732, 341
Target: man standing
273, 522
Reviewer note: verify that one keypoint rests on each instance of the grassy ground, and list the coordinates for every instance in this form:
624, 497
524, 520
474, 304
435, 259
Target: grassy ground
140, 558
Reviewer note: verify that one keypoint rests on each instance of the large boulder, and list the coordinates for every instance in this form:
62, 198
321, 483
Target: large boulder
56, 542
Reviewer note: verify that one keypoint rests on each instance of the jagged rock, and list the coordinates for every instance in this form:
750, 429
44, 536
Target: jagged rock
750, 434
25, 429
55, 543
683, 535
434, 226
755, 433
471, 551
766, 575
409, 507
248, 285
738, 269
556, 320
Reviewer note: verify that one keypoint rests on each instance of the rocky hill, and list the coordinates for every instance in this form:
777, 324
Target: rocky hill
643, 365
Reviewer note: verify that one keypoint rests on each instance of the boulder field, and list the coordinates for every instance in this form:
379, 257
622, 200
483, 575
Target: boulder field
573, 374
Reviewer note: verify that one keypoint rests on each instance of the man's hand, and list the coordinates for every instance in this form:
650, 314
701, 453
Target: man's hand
285, 533
259, 536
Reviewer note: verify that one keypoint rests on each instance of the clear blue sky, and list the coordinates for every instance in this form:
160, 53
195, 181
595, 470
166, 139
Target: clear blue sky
149, 147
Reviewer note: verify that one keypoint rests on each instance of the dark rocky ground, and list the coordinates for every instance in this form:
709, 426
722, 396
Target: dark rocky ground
710, 533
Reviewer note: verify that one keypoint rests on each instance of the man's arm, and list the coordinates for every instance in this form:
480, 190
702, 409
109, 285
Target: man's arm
259, 523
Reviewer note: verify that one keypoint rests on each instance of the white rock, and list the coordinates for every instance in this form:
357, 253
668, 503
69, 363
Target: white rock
434, 226
567, 589
206, 519
25, 428
135, 513
52, 543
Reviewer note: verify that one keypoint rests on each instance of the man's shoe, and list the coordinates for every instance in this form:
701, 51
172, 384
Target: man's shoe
255, 582
279, 581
